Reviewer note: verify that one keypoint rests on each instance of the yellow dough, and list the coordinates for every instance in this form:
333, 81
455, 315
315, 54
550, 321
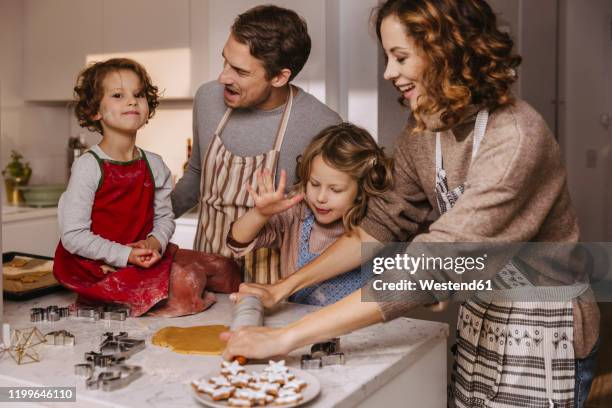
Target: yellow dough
203, 340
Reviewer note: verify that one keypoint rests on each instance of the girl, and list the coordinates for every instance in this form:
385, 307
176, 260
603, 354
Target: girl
485, 167
337, 173
116, 217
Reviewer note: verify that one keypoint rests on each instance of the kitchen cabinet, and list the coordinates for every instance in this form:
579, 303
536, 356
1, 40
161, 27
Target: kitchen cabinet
30, 230
185, 232
57, 37
62, 36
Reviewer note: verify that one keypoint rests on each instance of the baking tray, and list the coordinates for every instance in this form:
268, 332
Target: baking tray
32, 293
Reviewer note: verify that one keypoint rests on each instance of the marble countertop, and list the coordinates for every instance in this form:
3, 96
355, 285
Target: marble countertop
11, 213
374, 355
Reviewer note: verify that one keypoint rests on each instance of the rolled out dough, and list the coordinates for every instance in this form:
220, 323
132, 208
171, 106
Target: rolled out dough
203, 340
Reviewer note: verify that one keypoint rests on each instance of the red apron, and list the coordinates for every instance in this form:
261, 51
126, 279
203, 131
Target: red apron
122, 212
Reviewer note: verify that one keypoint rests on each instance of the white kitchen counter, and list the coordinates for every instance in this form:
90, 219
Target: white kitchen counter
392, 363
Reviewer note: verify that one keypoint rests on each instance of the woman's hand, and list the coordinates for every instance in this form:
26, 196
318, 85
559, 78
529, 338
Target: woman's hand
256, 342
270, 295
269, 201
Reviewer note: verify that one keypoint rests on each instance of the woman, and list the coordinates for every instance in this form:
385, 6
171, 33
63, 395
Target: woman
486, 166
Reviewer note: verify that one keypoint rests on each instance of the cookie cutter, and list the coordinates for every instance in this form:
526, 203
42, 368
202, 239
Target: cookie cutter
51, 313
118, 377
103, 360
60, 338
37, 314
86, 312
114, 350
108, 312
120, 345
323, 354
84, 370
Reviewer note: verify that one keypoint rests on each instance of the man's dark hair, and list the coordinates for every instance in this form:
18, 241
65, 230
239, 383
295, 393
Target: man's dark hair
276, 36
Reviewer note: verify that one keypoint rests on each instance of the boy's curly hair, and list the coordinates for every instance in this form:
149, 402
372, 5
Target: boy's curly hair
89, 89
470, 61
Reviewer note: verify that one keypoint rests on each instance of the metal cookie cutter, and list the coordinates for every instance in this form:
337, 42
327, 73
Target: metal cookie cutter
109, 312
52, 313
120, 345
87, 312
119, 377
103, 360
60, 338
84, 370
115, 313
323, 354
37, 314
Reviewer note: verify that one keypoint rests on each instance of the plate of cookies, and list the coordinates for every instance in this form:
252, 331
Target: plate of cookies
257, 385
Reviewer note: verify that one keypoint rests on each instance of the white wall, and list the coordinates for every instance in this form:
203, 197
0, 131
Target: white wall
586, 94
39, 132
221, 14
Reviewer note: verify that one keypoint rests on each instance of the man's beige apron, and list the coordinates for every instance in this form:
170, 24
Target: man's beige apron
224, 198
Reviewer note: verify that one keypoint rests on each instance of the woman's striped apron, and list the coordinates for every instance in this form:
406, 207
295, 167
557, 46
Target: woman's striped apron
224, 198
508, 353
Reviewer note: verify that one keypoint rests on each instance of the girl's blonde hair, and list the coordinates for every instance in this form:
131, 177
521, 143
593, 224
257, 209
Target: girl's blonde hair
351, 150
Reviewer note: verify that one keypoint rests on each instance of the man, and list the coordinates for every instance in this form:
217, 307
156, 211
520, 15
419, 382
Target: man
251, 118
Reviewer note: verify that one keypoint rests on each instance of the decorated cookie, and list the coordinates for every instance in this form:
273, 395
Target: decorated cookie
288, 399
258, 397
278, 378
276, 367
219, 381
233, 368
202, 386
237, 402
222, 393
295, 384
240, 380
268, 388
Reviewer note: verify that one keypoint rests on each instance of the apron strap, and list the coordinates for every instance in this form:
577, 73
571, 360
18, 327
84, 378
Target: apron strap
280, 134
223, 121
438, 152
479, 131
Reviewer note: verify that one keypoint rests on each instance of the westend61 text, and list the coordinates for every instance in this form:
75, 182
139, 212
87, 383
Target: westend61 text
431, 284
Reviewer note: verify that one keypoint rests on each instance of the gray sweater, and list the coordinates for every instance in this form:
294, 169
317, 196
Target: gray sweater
248, 132
74, 210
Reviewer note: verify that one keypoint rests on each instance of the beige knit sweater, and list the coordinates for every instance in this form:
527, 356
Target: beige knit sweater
515, 191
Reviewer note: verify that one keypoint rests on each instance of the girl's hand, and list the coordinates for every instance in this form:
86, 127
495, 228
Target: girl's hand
255, 342
269, 201
150, 243
143, 257
270, 295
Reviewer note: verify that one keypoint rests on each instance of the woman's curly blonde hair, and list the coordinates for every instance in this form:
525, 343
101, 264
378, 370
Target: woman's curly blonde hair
89, 89
470, 61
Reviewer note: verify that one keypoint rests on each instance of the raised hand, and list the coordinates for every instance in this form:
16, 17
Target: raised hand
268, 200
